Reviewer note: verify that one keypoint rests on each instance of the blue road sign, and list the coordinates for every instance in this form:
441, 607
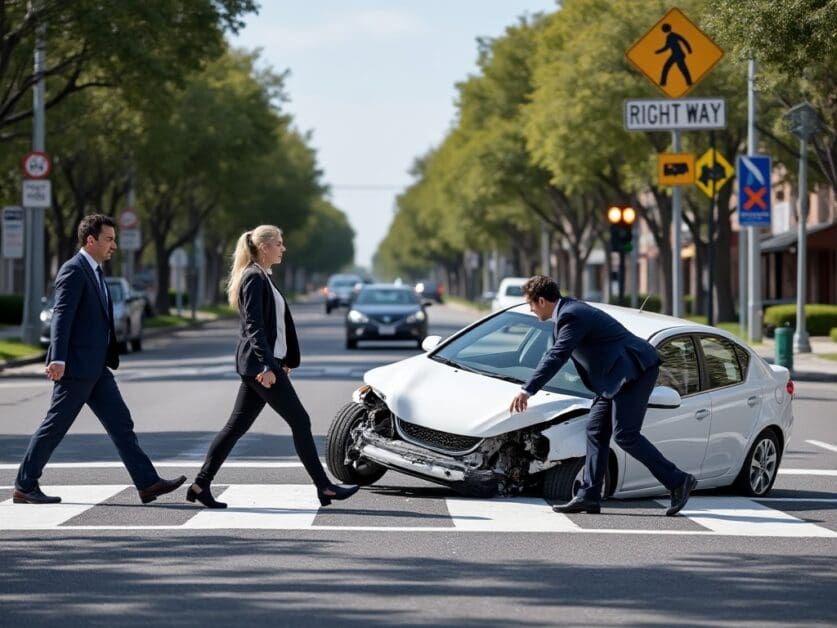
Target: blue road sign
753, 191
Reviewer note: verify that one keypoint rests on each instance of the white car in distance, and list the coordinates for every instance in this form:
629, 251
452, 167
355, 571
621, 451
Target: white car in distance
510, 292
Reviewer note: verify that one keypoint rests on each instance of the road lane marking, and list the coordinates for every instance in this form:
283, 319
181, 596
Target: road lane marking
516, 514
74, 501
823, 472
739, 516
261, 506
233, 464
819, 443
295, 507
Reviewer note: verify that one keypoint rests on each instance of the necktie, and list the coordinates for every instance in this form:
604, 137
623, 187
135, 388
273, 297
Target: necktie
103, 287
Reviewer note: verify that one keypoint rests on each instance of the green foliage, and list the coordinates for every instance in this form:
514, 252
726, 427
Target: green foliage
14, 349
654, 303
833, 334
820, 319
11, 309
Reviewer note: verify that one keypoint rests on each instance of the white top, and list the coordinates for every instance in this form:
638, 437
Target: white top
280, 348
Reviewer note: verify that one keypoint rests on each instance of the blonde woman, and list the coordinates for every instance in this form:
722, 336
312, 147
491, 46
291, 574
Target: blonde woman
267, 351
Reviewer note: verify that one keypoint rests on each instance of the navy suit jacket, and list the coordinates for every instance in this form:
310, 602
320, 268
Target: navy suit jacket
257, 309
605, 354
81, 333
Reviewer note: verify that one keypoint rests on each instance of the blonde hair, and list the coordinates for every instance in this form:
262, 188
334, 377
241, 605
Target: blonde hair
246, 252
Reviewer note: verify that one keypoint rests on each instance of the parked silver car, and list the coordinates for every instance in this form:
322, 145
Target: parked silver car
128, 310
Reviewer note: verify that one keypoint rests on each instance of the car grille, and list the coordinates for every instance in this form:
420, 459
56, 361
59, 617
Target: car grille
434, 439
387, 319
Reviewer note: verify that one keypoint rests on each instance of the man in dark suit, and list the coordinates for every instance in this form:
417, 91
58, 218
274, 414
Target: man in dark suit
621, 369
82, 347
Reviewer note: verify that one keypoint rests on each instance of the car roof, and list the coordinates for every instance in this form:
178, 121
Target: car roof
513, 281
386, 286
643, 324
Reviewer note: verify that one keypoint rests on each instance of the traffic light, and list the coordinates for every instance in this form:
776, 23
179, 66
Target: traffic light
621, 219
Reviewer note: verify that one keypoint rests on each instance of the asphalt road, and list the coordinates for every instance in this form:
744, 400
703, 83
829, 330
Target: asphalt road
400, 552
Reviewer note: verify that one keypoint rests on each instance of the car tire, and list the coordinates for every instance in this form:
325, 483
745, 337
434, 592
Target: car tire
136, 344
327, 309
124, 346
561, 482
761, 466
418, 343
351, 344
339, 438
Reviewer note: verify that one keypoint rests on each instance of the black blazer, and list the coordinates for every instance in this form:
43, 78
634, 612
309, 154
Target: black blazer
605, 354
257, 310
81, 333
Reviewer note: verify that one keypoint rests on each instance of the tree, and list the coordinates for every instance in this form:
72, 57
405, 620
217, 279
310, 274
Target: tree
136, 45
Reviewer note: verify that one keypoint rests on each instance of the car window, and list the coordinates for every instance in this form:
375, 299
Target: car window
386, 297
510, 346
679, 368
344, 282
720, 361
743, 359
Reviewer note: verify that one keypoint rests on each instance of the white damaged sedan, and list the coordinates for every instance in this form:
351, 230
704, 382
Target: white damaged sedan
719, 412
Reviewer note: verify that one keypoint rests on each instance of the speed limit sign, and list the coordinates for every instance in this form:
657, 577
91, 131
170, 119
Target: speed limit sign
36, 165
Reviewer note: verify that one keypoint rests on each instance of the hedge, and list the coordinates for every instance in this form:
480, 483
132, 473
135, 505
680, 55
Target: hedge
654, 304
834, 334
11, 309
820, 318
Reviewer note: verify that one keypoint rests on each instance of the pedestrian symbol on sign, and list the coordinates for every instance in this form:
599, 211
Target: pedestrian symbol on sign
678, 55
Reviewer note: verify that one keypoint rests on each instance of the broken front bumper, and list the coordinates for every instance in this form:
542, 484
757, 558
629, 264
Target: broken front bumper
459, 472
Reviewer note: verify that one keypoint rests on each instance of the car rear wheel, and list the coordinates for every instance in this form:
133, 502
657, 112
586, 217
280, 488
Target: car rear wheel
136, 344
351, 344
561, 482
338, 441
760, 467
124, 346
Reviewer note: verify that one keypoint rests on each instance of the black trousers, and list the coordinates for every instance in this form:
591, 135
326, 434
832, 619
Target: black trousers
622, 417
252, 398
68, 398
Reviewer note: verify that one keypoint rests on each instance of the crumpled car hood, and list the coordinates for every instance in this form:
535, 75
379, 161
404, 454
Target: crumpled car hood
425, 392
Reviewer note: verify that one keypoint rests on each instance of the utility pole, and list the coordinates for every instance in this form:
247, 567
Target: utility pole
34, 216
754, 329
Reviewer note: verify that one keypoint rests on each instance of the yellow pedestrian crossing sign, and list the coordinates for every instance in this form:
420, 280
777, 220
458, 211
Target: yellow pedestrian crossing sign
675, 54
706, 172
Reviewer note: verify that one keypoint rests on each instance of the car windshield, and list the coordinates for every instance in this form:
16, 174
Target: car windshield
514, 291
115, 289
509, 347
347, 282
386, 296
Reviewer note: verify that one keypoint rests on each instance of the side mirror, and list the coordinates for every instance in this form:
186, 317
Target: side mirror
664, 397
430, 343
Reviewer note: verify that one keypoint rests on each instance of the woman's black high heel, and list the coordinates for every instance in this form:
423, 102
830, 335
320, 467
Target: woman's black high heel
205, 497
341, 491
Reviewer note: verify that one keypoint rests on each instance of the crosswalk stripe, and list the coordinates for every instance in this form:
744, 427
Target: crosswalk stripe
261, 506
74, 501
517, 514
739, 516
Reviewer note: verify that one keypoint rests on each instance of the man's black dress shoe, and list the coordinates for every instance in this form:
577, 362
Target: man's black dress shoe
680, 495
579, 504
35, 496
205, 497
338, 491
160, 487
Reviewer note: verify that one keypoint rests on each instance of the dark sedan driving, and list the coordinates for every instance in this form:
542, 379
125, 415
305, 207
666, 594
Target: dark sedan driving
386, 312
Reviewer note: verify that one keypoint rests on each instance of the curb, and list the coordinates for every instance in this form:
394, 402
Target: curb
147, 333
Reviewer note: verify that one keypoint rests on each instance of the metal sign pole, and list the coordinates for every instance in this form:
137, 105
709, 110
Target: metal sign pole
677, 244
710, 300
800, 338
754, 243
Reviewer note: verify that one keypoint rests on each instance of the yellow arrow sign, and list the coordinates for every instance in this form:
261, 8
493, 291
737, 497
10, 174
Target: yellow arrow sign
706, 172
675, 54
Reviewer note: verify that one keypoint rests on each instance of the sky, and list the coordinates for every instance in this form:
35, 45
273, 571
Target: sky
374, 81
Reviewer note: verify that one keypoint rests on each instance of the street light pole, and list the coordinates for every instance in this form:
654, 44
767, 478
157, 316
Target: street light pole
804, 123
34, 216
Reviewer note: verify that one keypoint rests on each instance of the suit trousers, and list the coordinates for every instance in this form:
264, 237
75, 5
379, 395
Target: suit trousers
68, 397
622, 417
252, 398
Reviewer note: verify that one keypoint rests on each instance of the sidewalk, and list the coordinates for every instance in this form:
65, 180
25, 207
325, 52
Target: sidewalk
807, 367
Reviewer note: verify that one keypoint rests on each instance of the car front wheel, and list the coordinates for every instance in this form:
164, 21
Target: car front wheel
561, 482
760, 466
338, 441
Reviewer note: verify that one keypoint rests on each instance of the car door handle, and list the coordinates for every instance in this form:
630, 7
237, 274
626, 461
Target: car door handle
701, 414
752, 401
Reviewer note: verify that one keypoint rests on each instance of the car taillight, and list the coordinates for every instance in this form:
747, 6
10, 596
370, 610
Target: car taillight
790, 387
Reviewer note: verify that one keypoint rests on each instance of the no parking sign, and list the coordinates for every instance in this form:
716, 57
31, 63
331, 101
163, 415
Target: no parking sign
753, 190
